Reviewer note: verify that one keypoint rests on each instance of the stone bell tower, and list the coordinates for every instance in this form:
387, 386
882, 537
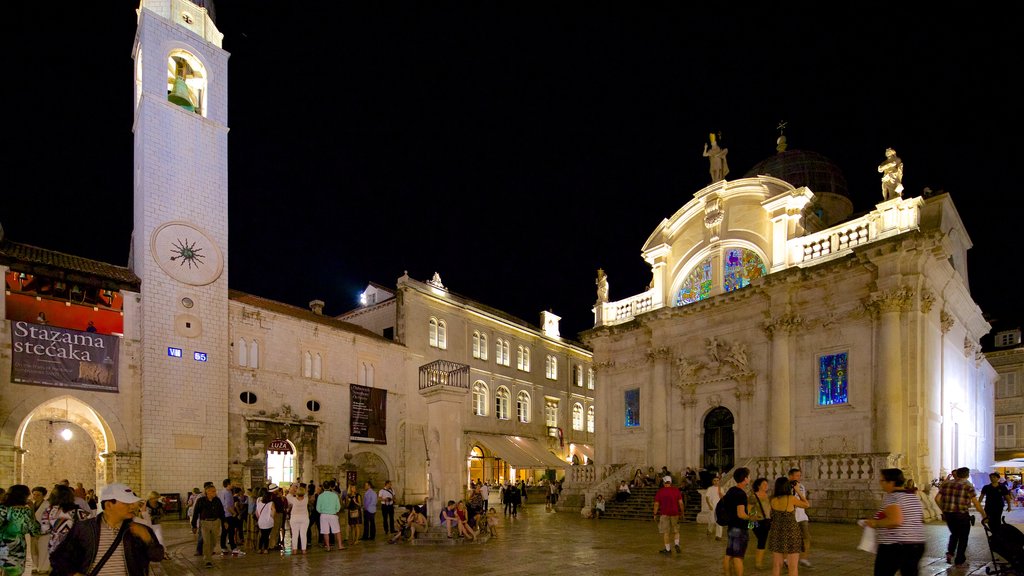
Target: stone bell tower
179, 243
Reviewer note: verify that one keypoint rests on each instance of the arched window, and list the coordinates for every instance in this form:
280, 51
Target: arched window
526, 359
550, 412
476, 344
590, 419
577, 375
480, 398
501, 401
551, 367
501, 350
307, 365
432, 334
590, 378
577, 416
697, 285
741, 266
254, 354
186, 81
442, 335
483, 346
523, 406
243, 352
318, 364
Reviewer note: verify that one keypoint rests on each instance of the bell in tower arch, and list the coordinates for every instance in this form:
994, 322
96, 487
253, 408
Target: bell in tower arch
180, 95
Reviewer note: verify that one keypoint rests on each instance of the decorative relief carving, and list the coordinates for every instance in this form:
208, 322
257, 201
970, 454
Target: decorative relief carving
714, 401
662, 352
713, 216
970, 348
946, 321
927, 300
897, 300
786, 323
601, 366
723, 361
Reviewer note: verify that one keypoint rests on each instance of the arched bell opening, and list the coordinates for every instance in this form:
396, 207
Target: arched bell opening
186, 81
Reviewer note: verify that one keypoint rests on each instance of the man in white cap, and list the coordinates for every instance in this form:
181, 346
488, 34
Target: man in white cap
109, 543
668, 506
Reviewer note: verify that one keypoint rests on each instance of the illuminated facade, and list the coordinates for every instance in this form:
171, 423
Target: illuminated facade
775, 333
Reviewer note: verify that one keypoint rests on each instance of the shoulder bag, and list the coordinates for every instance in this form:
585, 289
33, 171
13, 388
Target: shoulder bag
117, 541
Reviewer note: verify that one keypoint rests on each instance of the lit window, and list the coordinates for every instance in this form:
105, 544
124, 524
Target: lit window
590, 419
476, 344
502, 352
577, 375
432, 333
480, 399
632, 404
697, 285
523, 407
523, 358
501, 400
442, 335
590, 378
577, 416
832, 379
483, 346
551, 367
550, 412
741, 266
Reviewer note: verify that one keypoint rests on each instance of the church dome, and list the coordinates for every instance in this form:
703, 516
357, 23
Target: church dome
803, 168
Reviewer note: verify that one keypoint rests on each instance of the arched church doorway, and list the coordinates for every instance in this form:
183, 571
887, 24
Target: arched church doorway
719, 455
368, 466
64, 439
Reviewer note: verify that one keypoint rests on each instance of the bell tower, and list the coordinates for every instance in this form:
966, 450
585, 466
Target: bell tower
179, 243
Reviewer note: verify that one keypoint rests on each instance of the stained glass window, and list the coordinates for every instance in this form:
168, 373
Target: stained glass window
697, 285
741, 266
633, 408
832, 379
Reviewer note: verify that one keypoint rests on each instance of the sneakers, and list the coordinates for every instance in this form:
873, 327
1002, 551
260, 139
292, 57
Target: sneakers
805, 562
678, 550
237, 552
665, 552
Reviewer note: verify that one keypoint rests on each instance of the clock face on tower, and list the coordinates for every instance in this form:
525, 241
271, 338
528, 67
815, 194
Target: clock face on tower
186, 253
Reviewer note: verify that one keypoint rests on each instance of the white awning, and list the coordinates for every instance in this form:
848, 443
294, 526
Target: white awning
519, 451
582, 450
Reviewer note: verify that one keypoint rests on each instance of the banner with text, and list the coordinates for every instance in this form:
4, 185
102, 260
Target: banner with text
368, 414
65, 358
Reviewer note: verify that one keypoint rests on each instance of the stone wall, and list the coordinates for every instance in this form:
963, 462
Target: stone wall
49, 458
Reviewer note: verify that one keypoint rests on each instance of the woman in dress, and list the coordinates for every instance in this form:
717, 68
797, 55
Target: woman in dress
17, 521
354, 510
785, 541
900, 525
759, 509
464, 528
265, 520
712, 495
298, 519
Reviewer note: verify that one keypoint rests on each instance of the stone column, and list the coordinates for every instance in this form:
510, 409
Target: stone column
780, 409
10, 464
929, 436
657, 448
447, 469
889, 396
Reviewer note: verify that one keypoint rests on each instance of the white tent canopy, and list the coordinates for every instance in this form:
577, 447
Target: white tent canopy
1012, 463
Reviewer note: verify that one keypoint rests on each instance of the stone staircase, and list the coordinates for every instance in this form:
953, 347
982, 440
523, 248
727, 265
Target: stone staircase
640, 505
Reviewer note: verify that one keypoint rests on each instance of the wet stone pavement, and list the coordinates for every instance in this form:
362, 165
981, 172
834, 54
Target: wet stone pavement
538, 542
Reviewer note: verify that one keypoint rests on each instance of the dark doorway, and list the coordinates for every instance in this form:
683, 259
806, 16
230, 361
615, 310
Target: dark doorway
718, 440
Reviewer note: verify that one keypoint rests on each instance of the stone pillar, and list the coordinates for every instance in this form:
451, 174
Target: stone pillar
10, 464
889, 394
127, 467
929, 437
780, 409
691, 450
658, 408
447, 469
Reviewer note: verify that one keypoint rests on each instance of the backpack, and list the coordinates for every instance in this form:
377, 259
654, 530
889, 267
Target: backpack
724, 514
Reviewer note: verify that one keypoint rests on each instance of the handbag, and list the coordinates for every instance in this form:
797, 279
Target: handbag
117, 541
765, 523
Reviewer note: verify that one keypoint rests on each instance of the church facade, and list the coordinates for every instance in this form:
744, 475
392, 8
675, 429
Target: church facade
777, 332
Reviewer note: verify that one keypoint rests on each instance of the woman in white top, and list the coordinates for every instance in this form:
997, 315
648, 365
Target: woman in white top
900, 525
265, 519
298, 519
711, 496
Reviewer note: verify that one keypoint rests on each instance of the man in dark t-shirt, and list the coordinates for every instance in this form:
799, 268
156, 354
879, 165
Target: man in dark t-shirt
736, 499
993, 495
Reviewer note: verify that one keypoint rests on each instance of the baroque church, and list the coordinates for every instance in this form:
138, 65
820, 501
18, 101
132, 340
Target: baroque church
779, 331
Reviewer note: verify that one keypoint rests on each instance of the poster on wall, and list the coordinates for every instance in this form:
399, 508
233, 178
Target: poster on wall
368, 414
64, 358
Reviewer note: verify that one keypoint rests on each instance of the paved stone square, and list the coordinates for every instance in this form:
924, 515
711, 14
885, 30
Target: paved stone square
552, 543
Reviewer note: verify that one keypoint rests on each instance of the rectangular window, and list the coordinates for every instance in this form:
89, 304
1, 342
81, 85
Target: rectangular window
632, 398
1006, 435
832, 379
1006, 386
550, 412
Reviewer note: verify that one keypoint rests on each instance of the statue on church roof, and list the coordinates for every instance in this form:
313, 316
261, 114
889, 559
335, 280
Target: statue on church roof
436, 281
892, 175
602, 286
719, 165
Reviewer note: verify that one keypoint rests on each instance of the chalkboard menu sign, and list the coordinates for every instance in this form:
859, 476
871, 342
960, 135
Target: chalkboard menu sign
368, 414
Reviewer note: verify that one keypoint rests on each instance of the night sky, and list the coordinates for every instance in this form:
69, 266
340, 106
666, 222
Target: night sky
513, 147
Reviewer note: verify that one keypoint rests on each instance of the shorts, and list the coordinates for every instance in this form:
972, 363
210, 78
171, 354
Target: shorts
666, 523
737, 546
329, 524
805, 531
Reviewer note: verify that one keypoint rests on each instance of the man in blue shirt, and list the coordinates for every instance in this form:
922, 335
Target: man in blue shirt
369, 512
227, 535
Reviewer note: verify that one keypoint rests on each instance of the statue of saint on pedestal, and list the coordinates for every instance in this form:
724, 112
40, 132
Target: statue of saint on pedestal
892, 175
719, 165
602, 286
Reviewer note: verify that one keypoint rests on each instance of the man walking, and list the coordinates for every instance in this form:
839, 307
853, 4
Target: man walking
995, 495
485, 491
736, 502
955, 498
206, 521
668, 506
369, 512
802, 520
386, 498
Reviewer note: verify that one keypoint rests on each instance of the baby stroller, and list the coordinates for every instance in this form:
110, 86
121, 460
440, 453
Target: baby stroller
1006, 542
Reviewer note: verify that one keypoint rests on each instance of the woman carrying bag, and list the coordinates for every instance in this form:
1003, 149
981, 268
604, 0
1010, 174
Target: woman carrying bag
760, 511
